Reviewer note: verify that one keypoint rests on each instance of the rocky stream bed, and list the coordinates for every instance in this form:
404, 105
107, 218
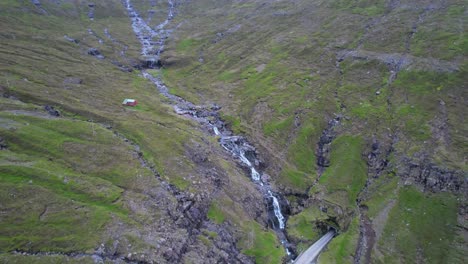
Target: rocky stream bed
152, 41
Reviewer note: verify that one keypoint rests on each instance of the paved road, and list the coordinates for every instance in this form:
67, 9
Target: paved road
311, 254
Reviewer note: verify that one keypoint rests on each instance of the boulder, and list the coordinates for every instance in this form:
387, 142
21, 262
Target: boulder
95, 52
3, 144
51, 110
71, 39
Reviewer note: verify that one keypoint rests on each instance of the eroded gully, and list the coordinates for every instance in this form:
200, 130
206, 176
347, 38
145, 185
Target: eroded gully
152, 41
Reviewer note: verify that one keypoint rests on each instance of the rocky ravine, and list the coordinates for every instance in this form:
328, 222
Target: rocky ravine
152, 46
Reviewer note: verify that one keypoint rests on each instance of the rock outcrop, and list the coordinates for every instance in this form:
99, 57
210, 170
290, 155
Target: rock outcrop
432, 177
324, 144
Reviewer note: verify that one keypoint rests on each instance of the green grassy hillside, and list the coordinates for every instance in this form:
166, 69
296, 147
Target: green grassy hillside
395, 74
356, 108
103, 181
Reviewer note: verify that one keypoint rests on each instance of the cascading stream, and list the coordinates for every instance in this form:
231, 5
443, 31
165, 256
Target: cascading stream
152, 41
277, 209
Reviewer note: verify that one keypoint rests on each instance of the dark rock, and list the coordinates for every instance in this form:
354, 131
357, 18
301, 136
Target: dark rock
195, 215
284, 205
95, 52
375, 146
51, 110
215, 107
432, 177
71, 39
375, 162
186, 205
324, 144
323, 209
36, 2
150, 62
91, 11
3, 144
297, 121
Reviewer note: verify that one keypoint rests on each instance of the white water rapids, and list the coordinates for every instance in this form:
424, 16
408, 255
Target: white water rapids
277, 209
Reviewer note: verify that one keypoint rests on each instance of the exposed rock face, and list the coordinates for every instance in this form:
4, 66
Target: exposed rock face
373, 160
324, 144
378, 157
175, 235
225, 246
432, 177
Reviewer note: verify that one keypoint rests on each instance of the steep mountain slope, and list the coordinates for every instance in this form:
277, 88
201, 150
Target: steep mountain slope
358, 105
84, 179
355, 107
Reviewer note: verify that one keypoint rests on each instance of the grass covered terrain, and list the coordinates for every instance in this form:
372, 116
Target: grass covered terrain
337, 189
395, 72
347, 174
410, 229
62, 181
262, 245
76, 183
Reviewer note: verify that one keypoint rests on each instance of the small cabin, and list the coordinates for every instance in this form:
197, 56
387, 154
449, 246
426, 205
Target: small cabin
130, 102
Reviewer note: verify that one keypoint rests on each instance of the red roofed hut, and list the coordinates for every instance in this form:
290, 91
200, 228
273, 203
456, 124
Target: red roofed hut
130, 102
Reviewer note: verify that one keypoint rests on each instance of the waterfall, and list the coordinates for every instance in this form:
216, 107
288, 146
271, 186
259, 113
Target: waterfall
152, 41
255, 175
216, 131
277, 210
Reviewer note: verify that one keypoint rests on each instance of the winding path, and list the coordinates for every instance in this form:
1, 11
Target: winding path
310, 256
